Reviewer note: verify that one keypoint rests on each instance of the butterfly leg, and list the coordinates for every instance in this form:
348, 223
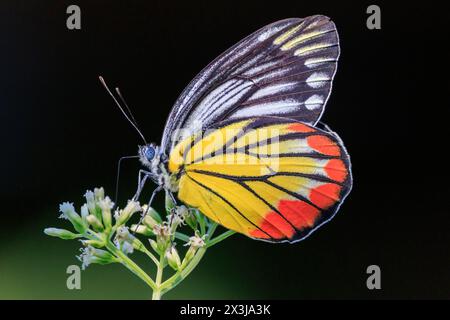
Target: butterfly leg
173, 198
144, 213
142, 179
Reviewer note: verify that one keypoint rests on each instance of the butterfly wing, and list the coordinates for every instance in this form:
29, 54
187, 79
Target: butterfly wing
284, 69
269, 178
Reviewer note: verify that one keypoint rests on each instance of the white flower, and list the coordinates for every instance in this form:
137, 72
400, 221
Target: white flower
162, 231
86, 257
90, 197
66, 208
91, 255
68, 212
106, 203
196, 241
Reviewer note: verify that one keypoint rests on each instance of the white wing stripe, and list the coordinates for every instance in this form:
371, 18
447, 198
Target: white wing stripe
270, 90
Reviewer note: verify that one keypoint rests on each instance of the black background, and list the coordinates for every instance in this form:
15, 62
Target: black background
61, 133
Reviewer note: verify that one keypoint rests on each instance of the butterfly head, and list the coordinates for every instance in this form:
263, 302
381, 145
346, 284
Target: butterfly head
149, 155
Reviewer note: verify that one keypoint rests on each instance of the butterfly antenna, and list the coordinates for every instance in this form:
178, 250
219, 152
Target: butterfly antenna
121, 109
122, 99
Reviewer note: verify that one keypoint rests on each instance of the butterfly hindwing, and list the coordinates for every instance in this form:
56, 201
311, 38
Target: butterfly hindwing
284, 69
269, 178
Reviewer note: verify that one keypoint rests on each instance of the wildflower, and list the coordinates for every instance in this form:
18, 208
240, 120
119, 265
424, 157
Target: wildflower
163, 235
68, 212
194, 243
162, 231
61, 233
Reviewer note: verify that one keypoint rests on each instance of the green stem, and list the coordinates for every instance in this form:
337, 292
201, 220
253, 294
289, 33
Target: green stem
179, 276
149, 254
130, 265
159, 273
219, 238
173, 281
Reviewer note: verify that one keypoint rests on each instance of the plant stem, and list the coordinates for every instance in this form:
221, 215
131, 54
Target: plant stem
130, 265
159, 273
149, 254
219, 238
173, 281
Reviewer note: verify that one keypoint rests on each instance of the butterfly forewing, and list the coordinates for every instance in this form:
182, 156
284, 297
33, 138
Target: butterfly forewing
284, 69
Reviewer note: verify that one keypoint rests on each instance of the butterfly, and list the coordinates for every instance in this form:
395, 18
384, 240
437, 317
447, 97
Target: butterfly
242, 143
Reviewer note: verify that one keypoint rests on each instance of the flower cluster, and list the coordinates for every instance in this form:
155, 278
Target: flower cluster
107, 236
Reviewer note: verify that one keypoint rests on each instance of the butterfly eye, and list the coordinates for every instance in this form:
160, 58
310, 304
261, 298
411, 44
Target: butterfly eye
150, 153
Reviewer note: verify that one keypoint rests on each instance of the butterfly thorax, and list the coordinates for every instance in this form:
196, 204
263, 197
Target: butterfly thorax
156, 162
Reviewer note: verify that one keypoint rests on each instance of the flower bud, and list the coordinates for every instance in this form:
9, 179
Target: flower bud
141, 229
154, 245
153, 213
149, 221
106, 205
173, 258
84, 214
189, 255
61, 233
68, 212
94, 222
93, 243
90, 201
125, 214
99, 194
